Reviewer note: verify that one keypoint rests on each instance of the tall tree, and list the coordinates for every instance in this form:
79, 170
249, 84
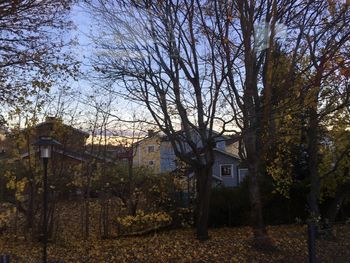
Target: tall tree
335, 164
157, 55
325, 43
250, 32
321, 80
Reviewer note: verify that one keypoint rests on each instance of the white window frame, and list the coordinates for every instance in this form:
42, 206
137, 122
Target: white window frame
239, 174
151, 145
228, 164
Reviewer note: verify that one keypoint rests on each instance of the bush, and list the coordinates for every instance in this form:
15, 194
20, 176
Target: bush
7, 213
231, 206
143, 222
182, 217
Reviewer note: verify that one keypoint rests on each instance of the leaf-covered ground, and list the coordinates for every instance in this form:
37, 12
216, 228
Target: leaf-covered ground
225, 245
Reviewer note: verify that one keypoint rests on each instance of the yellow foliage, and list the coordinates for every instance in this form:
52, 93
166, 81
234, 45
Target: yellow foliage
6, 215
11, 180
142, 220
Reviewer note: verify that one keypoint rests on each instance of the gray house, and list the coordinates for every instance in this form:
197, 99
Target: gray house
156, 152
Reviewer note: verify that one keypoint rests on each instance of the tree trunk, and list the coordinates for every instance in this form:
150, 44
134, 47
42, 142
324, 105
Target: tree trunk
132, 204
104, 217
313, 149
257, 220
87, 208
261, 238
252, 132
30, 210
203, 178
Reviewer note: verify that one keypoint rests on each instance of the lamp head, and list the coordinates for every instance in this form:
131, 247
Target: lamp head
46, 145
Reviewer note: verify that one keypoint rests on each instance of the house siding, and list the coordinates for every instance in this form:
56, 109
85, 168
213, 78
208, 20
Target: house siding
143, 157
167, 157
221, 159
221, 145
233, 148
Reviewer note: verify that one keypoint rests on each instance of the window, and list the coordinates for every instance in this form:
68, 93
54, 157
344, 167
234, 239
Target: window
226, 170
150, 163
150, 148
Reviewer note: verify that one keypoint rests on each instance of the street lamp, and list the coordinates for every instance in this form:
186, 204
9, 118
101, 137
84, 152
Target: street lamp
45, 145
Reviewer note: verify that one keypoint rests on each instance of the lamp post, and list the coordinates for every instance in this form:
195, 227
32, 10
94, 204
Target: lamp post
46, 145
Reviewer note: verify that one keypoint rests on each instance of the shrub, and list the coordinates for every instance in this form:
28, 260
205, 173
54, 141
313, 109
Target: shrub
182, 217
231, 206
7, 212
143, 222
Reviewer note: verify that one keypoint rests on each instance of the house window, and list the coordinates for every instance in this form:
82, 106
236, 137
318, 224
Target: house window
150, 148
226, 170
150, 163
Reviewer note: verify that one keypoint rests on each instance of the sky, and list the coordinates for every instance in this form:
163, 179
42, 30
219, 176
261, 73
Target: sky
86, 26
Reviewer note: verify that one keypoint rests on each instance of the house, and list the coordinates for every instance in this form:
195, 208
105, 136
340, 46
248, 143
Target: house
155, 151
73, 150
20, 143
147, 152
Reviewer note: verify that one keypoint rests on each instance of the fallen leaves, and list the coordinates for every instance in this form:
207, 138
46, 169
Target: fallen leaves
225, 245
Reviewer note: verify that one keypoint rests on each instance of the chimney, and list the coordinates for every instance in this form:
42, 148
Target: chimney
50, 119
150, 133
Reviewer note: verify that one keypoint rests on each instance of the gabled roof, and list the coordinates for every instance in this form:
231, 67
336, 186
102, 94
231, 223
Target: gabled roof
52, 120
233, 139
74, 155
227, 153
155, 134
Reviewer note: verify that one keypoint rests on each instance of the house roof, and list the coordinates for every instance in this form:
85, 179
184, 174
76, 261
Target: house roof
52, 120
227, 153
74, 155
155, 134
233, 139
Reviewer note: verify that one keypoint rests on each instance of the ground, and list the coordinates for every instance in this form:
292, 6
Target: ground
225, 245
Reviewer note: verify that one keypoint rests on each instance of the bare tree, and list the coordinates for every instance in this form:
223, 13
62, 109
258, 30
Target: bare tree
247, 33
156, 55
185, 60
